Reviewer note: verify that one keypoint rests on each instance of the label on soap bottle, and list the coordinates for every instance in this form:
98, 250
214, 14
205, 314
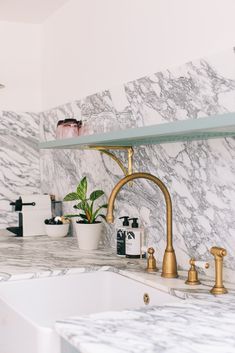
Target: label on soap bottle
133, 243
121, 242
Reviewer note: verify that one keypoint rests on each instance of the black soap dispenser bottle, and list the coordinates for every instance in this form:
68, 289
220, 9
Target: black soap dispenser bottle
121, 236
133, 240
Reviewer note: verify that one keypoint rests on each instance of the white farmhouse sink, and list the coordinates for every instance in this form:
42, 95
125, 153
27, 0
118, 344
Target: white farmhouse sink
29, 308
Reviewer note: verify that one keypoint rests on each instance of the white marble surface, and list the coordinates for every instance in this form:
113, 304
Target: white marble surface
32, 257
19, 161
199, 174
194, 326
201, 323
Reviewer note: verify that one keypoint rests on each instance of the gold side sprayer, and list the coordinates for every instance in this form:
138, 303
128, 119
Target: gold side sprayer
218, 254
169, 265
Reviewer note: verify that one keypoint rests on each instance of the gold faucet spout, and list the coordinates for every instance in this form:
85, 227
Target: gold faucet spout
169, 266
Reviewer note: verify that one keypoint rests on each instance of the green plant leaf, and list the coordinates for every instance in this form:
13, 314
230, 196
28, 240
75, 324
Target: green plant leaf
101, 215
105, 205
99, 208
80, 205
96, 213
89, 212
96, 194
82, 189
83, 216
91, 208
71, 215
71, 196
86, 205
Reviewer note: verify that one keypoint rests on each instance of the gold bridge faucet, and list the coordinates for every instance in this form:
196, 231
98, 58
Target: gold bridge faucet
169, 264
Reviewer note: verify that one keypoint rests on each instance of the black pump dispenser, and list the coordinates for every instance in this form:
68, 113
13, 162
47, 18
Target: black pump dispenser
125, 221
121, 236
133, 240
134, 223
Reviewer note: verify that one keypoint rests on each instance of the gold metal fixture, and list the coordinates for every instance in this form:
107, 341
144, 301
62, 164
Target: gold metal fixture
151, 262
169, 265
130, 152
146, 298
218, 254
192, 274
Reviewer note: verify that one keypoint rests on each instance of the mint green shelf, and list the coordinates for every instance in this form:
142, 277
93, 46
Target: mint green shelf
186, 130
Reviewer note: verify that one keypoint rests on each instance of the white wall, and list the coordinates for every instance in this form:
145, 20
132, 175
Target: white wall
20, 67
90, 45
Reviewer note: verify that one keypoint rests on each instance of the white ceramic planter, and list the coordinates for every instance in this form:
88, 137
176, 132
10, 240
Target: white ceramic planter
88, 235
57, 230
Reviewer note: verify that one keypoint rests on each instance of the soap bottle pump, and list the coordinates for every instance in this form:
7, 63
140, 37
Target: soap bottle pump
134, 223
126, 221
121, 237
133, 240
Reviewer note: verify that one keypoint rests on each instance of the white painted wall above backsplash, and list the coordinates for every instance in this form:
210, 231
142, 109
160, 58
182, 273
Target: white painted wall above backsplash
92, 45
20, 67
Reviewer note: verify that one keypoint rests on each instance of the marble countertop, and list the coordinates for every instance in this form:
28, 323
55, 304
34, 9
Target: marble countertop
200, 323
194, 326
29, 257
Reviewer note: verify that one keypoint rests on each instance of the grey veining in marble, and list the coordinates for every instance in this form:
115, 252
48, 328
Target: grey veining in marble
200, 323
194, 326
199, 175
28, 257
19, 134
197, 89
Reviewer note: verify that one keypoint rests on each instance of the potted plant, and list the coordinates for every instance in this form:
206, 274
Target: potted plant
88, 227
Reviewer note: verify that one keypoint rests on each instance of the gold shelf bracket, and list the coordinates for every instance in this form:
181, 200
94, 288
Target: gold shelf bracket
130, 152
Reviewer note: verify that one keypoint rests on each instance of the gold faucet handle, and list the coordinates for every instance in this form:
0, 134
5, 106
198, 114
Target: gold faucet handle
201, 264
192, 272
151, 262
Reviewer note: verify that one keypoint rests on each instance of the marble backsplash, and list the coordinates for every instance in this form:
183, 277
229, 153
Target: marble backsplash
199, 174
19, 162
